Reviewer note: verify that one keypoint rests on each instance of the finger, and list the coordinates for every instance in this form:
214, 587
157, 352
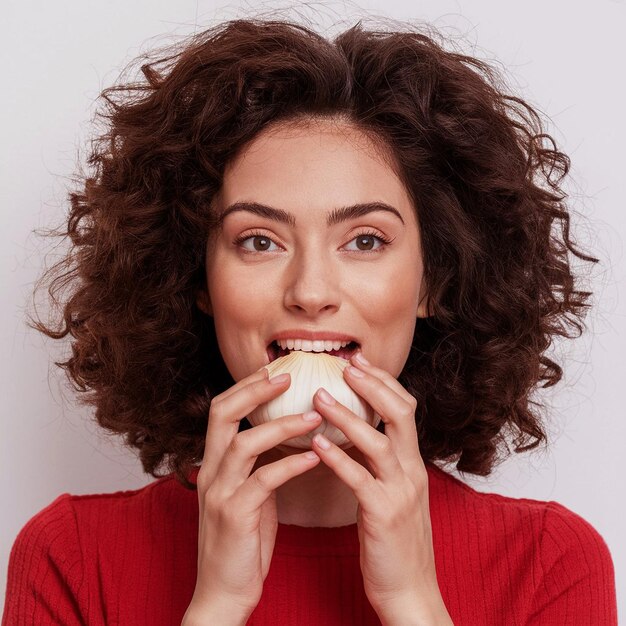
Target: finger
260, 485
358, 478
246, 446
359, 361
375, 446
261, 373
395, 411
226, 413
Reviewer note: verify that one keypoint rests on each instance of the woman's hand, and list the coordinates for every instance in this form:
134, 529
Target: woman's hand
393, 516
238, 519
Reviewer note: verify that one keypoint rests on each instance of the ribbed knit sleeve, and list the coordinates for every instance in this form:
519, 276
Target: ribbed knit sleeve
577, 587
45, 570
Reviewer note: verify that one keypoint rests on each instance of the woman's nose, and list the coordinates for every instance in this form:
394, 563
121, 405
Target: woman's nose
312, 285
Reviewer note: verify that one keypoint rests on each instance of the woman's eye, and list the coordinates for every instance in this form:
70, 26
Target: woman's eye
261, 243
365, 242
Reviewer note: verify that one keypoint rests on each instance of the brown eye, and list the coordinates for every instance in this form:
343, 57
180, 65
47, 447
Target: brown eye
263, 243
260, 243
365, 242
369, 242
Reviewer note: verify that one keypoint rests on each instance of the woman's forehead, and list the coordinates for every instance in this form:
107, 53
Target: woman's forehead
325, 164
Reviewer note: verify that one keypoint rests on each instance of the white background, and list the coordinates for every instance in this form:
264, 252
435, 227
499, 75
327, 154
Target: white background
566, 58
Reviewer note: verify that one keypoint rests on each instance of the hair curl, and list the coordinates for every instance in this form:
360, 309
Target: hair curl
477, 168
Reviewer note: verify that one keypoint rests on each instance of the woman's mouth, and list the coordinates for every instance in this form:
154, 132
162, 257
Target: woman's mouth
274, 351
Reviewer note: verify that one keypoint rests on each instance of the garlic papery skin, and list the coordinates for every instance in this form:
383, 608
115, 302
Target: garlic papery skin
310, 371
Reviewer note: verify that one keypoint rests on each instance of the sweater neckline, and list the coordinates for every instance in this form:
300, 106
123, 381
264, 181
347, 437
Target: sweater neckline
292, 539
317, 540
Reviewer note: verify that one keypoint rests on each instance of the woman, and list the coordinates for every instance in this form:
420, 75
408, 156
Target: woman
264, 190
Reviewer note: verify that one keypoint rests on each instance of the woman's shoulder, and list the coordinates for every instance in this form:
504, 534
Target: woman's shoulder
448, 490
555, 532
92, 516
79, 544
539, 557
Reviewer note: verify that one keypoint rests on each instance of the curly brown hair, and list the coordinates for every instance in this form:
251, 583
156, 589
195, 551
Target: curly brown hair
474, 160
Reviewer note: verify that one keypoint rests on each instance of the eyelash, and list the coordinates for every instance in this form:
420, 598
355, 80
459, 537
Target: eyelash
385, 241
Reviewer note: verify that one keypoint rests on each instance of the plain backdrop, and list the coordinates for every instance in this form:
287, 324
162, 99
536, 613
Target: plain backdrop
565, 58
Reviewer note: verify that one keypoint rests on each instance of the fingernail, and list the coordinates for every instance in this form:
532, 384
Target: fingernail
355, 372
325, 397
310, 416
281, 378
359, 358
321, 441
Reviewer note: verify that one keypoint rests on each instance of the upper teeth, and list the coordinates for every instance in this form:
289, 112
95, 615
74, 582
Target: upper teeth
311, 346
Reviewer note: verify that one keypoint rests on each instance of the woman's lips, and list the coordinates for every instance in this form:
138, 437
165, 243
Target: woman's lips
274, 351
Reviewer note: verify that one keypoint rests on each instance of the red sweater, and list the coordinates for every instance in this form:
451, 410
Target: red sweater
129, 558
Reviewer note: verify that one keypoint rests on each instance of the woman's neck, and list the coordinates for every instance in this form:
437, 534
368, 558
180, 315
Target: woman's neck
317, 497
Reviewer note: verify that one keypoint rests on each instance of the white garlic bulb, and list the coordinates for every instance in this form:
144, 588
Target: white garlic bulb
310, 371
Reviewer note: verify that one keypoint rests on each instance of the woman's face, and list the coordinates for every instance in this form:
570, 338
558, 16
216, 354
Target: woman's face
306, 272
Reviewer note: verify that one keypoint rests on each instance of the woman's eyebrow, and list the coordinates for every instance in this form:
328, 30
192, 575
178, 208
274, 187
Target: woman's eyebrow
333, 217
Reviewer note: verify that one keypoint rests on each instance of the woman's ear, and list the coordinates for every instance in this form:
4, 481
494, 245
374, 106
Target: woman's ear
204, 302
422, 307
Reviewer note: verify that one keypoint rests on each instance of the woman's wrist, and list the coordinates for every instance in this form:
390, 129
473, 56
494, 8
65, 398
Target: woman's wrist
415, 617
207, 615
212, 617
409, 612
